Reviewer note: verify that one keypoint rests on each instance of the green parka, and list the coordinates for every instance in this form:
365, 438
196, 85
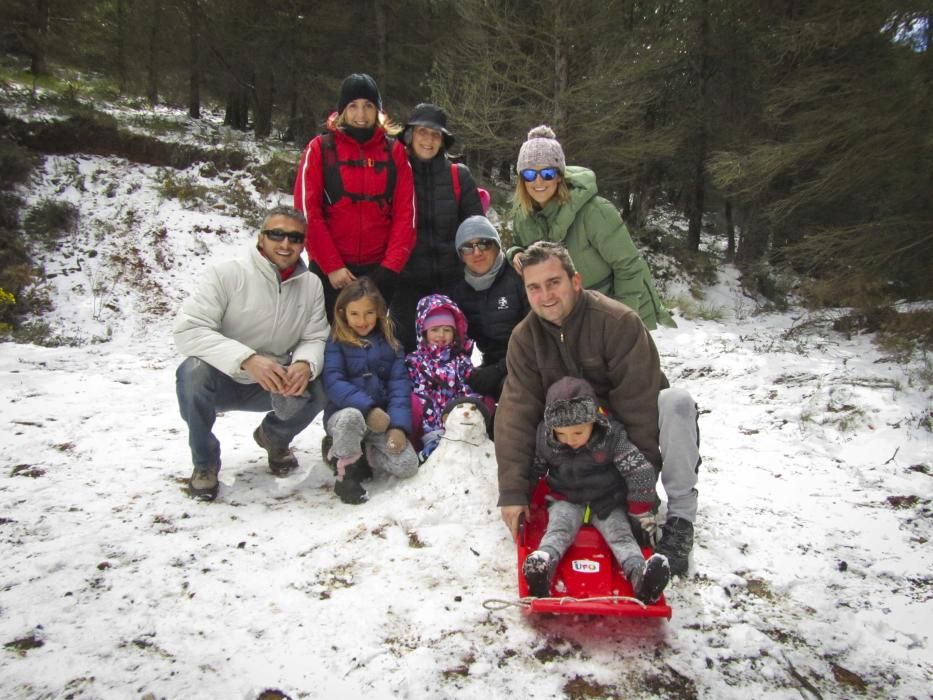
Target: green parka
599, 244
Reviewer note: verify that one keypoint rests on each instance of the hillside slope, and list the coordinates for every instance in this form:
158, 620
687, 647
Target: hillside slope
811, 574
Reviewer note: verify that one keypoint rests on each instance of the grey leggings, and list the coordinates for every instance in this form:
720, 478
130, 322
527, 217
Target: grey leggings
565, 520
351, 436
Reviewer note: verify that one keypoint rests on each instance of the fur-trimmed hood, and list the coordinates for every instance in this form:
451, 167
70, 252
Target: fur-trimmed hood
434, 302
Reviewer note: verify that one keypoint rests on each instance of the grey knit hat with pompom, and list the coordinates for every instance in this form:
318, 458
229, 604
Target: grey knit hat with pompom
541, 150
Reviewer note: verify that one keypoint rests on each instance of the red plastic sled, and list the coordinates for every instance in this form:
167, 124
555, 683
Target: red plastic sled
588, 581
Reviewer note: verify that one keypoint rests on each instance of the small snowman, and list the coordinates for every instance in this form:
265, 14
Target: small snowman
462, 470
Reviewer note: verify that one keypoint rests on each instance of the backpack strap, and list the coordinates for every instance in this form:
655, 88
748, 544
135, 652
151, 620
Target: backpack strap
333, 182
455, 177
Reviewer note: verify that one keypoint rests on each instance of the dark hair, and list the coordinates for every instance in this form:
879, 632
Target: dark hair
540, 251
286, 211
360, 288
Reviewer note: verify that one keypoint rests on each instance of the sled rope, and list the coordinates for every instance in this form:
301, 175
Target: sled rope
500, 604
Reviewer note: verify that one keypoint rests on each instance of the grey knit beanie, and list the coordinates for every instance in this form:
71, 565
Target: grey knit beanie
570, 401
476, 227
541, 150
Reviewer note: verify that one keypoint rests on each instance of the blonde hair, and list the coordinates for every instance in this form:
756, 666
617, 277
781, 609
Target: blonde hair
525, 204
361, 288
382, 121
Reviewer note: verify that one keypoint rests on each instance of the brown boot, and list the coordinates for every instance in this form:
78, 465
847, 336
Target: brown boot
281, 460
203, 483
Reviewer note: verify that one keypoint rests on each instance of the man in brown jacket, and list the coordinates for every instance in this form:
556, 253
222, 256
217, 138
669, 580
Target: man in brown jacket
574, 332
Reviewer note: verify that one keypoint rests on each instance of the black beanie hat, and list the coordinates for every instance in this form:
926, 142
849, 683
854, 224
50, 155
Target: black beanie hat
453, 403
358, 86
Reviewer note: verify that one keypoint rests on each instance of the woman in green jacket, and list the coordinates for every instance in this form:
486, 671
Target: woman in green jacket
557, 202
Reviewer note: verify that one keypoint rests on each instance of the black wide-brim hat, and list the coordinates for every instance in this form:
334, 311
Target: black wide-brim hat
432, 117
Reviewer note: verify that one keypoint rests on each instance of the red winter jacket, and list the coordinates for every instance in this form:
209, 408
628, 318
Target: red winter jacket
363, 232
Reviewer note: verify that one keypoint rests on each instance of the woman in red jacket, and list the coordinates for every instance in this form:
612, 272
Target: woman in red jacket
355, 187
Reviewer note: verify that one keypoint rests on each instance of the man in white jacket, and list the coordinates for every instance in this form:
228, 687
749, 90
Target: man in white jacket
254, 333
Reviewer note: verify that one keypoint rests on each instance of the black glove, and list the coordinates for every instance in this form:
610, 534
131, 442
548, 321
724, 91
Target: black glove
386, 280
645, 528
486, 380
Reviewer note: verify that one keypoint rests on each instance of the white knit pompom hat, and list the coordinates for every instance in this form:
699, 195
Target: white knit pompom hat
541, 150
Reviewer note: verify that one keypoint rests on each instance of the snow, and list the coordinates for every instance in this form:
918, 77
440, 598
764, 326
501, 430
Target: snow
811, 570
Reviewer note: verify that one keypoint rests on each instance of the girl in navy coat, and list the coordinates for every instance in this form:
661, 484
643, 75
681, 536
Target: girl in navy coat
368, 393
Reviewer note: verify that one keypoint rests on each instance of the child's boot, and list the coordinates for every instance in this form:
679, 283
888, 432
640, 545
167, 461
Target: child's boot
348, 487
649, 578
350, 491
327, 442
538, 570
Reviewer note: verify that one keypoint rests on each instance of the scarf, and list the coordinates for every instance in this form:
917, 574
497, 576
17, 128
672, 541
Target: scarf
360, 134
483, 282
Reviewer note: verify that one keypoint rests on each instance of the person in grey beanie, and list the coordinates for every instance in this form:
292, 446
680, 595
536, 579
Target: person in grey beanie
492, 297
600, 478
561, 203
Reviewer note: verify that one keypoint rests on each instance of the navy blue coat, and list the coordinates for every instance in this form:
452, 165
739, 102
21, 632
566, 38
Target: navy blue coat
368, 377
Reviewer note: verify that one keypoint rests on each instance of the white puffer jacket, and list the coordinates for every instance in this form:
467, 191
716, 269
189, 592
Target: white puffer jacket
240, 308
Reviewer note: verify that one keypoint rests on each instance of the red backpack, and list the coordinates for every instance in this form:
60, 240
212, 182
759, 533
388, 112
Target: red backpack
333, 183
455, 176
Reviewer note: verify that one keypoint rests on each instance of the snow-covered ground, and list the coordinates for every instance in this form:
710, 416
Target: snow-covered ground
811, 573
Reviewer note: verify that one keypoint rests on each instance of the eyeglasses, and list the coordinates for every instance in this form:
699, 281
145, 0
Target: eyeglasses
481, 246
547, 174
278, 235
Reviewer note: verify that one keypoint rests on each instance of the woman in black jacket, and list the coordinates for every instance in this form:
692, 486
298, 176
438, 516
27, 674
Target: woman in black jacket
445, 195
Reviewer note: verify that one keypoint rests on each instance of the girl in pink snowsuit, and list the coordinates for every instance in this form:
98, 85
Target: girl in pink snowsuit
439, 368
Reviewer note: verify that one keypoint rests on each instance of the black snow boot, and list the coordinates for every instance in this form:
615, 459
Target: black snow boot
326, 443
360, 469
676, 544
538, 570
350, 491
649, 581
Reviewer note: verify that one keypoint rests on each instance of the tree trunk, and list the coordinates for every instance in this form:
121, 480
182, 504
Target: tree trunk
263, 100
192, 13
152, 71
753, 243
121, 46
561, 69
382, 43
236, 115
730, 231
37, 38
698, 196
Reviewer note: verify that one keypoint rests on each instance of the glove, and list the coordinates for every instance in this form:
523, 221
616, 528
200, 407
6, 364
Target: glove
386, 280
645, 528
377, 420
396, 440
430, 441
486, 380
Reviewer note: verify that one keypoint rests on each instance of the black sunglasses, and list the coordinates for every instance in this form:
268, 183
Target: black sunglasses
481, 246
278, 235
547, 174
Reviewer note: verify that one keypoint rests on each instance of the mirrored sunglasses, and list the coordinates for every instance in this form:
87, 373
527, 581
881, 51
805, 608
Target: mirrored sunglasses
547, 174
481, 246
278, 235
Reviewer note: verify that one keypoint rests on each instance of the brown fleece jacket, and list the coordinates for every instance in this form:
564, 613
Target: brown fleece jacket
604, 342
